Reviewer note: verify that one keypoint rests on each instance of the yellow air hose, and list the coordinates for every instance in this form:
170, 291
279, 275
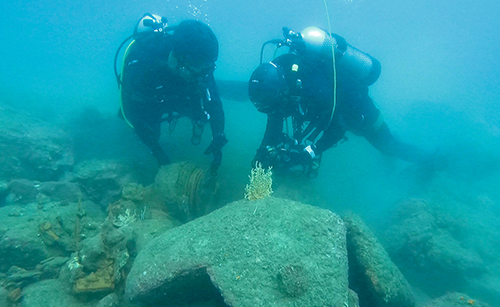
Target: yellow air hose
334, 67
121, 92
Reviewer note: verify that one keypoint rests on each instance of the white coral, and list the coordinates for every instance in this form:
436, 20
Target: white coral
124, 219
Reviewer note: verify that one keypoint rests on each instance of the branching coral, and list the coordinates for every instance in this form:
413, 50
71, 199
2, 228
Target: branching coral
261, 182
125, 218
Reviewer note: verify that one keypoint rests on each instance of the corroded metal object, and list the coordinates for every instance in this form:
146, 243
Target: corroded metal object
186, 189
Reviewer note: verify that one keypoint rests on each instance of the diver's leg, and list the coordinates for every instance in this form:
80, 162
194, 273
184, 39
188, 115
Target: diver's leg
380, 137
145, 117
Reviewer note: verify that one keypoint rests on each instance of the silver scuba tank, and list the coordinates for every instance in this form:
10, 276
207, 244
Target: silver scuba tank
352, 63
150, 23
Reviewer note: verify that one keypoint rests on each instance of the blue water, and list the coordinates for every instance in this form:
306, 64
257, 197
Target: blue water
439, 89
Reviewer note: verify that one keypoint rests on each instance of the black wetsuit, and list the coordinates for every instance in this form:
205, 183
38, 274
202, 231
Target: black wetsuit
310, 119
153, 93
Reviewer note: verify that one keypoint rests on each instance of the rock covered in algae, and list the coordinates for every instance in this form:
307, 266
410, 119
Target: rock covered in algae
103, 180
268, 252
372, 274
31, 148
353, 299
4, 299
50, 293
455, 299
22, 246
110, 300
434, 245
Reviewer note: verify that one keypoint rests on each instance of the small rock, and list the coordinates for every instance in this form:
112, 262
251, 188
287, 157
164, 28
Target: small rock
4, 187
22, 191
353, 299
133, 192
51, 267
110, 300
456, 300
61, 191
21, 276
92, 253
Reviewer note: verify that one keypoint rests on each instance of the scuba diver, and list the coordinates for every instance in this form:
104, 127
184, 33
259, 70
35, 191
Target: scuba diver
167, 74
312, 98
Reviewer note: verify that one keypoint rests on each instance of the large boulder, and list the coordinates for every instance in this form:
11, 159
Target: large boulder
51, 293
31, 148
269, 252
103, 180
372, 274
23, 191
22, 246
31, 233
430, 244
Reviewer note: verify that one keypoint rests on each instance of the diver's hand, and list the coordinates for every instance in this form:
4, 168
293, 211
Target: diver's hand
216, 162
266, 156
160, 155
303, 158
311, 161
217, 143
214, 148
308, 154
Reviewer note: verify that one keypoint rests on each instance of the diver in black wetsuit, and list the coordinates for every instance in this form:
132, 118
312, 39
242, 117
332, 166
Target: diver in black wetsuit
168, 74
305, 118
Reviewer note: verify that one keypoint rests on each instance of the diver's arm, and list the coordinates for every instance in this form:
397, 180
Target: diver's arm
266, 153
333, 134
274, 128
213, 106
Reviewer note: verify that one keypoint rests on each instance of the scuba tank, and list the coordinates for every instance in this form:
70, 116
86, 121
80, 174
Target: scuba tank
150, 23
147, 25
359, 67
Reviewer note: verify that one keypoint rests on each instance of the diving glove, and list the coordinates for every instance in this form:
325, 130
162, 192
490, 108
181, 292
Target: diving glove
215, 148
160, 155
218, 141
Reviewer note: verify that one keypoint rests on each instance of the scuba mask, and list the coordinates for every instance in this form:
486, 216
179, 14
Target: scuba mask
190, 70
